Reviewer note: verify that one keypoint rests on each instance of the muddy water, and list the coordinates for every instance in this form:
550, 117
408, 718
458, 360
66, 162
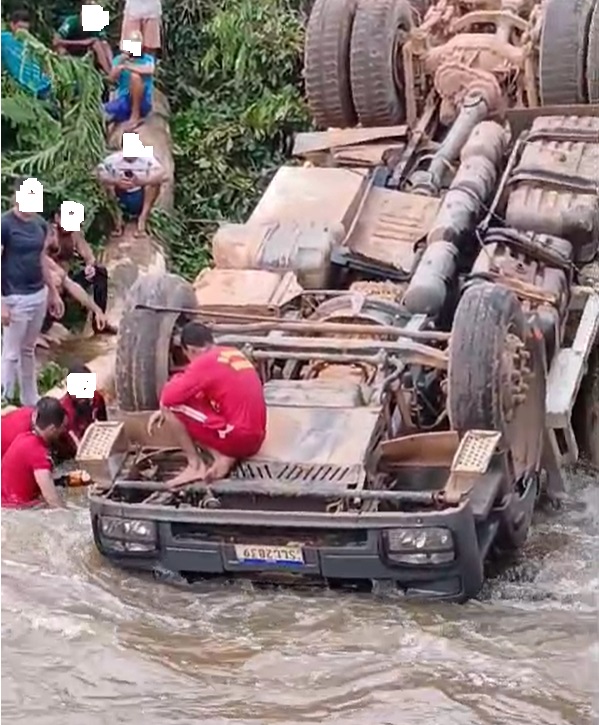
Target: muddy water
85, 644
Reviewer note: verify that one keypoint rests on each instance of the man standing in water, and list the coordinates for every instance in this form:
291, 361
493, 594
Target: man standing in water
216, 403
27, 464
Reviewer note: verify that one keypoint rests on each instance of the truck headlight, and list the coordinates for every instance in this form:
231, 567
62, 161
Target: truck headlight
117, 546
113, 527
420, 545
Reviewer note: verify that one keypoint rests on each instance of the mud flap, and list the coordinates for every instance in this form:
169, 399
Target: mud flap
565, 377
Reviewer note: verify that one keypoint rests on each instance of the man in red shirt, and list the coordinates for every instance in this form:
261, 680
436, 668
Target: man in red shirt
216, 403
14, 423
26, 470
81, 413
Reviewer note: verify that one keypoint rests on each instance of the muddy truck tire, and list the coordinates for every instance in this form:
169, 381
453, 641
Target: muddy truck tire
326, 63
593, 57
143, 346
376, 64
496, 374
563, 52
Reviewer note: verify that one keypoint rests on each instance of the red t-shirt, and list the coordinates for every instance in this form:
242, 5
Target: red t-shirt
227, 380
97, 411
28, 453
13, 424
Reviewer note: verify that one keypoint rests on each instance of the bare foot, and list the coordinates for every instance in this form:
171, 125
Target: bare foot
132, 124
221, 466
141, 230
119, 228
194, 472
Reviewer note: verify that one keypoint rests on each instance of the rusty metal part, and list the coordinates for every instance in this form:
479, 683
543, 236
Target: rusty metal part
307, 348
450, 48
470, 190
314, 489
385, 291
316, 328
561, 154
322, 370
390, 225
225, 292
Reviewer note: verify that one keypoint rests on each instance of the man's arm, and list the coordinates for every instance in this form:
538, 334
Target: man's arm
60, 42
62, 37
43, 478
117, 67
83, 249
187, 385
145, 69
155, 177
104, 176
55, 303
111, 180
80, 295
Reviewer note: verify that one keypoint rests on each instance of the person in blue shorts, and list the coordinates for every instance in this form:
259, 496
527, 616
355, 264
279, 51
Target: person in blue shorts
134, 76
135, 181
19, 64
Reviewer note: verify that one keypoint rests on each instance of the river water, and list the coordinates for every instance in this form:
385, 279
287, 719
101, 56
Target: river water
86, 644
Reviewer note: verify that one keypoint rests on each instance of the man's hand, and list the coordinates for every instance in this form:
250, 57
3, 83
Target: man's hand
89, 271
100, 319
55, 305
125, 184
155, 422
5, 315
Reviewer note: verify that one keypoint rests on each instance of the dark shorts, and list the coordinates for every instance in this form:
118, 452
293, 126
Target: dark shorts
131, 202
78, 52
209, 430
119, 109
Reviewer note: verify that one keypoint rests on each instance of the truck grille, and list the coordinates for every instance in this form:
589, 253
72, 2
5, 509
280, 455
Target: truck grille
320, 473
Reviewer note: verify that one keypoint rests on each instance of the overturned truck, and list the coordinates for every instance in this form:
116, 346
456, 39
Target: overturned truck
420, 298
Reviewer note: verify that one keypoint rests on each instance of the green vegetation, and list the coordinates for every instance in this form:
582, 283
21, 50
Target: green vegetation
232, 73
49, 376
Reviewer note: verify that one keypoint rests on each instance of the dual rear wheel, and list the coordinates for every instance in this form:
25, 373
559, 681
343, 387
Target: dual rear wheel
353, 62
353, 58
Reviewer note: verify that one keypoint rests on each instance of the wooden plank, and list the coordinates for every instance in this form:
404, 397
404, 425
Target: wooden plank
310, 142
368, 154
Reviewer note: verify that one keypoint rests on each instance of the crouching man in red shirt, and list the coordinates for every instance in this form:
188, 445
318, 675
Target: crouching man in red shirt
81, 413
217, 403
27, 466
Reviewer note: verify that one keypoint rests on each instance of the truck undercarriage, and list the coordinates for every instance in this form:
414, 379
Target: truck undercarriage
420, 299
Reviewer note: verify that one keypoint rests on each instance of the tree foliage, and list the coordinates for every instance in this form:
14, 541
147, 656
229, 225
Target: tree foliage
60, 140
232, 72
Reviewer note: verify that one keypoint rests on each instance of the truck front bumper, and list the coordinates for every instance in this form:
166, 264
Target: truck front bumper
424, 555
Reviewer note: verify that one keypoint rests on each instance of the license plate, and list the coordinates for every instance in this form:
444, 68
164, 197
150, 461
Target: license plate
258, 554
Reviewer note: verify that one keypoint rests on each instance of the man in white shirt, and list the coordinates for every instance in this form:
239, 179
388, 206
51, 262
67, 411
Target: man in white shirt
135, 181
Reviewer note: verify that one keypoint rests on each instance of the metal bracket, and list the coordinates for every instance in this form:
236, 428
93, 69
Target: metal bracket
471, 461
565, 377
103, 450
